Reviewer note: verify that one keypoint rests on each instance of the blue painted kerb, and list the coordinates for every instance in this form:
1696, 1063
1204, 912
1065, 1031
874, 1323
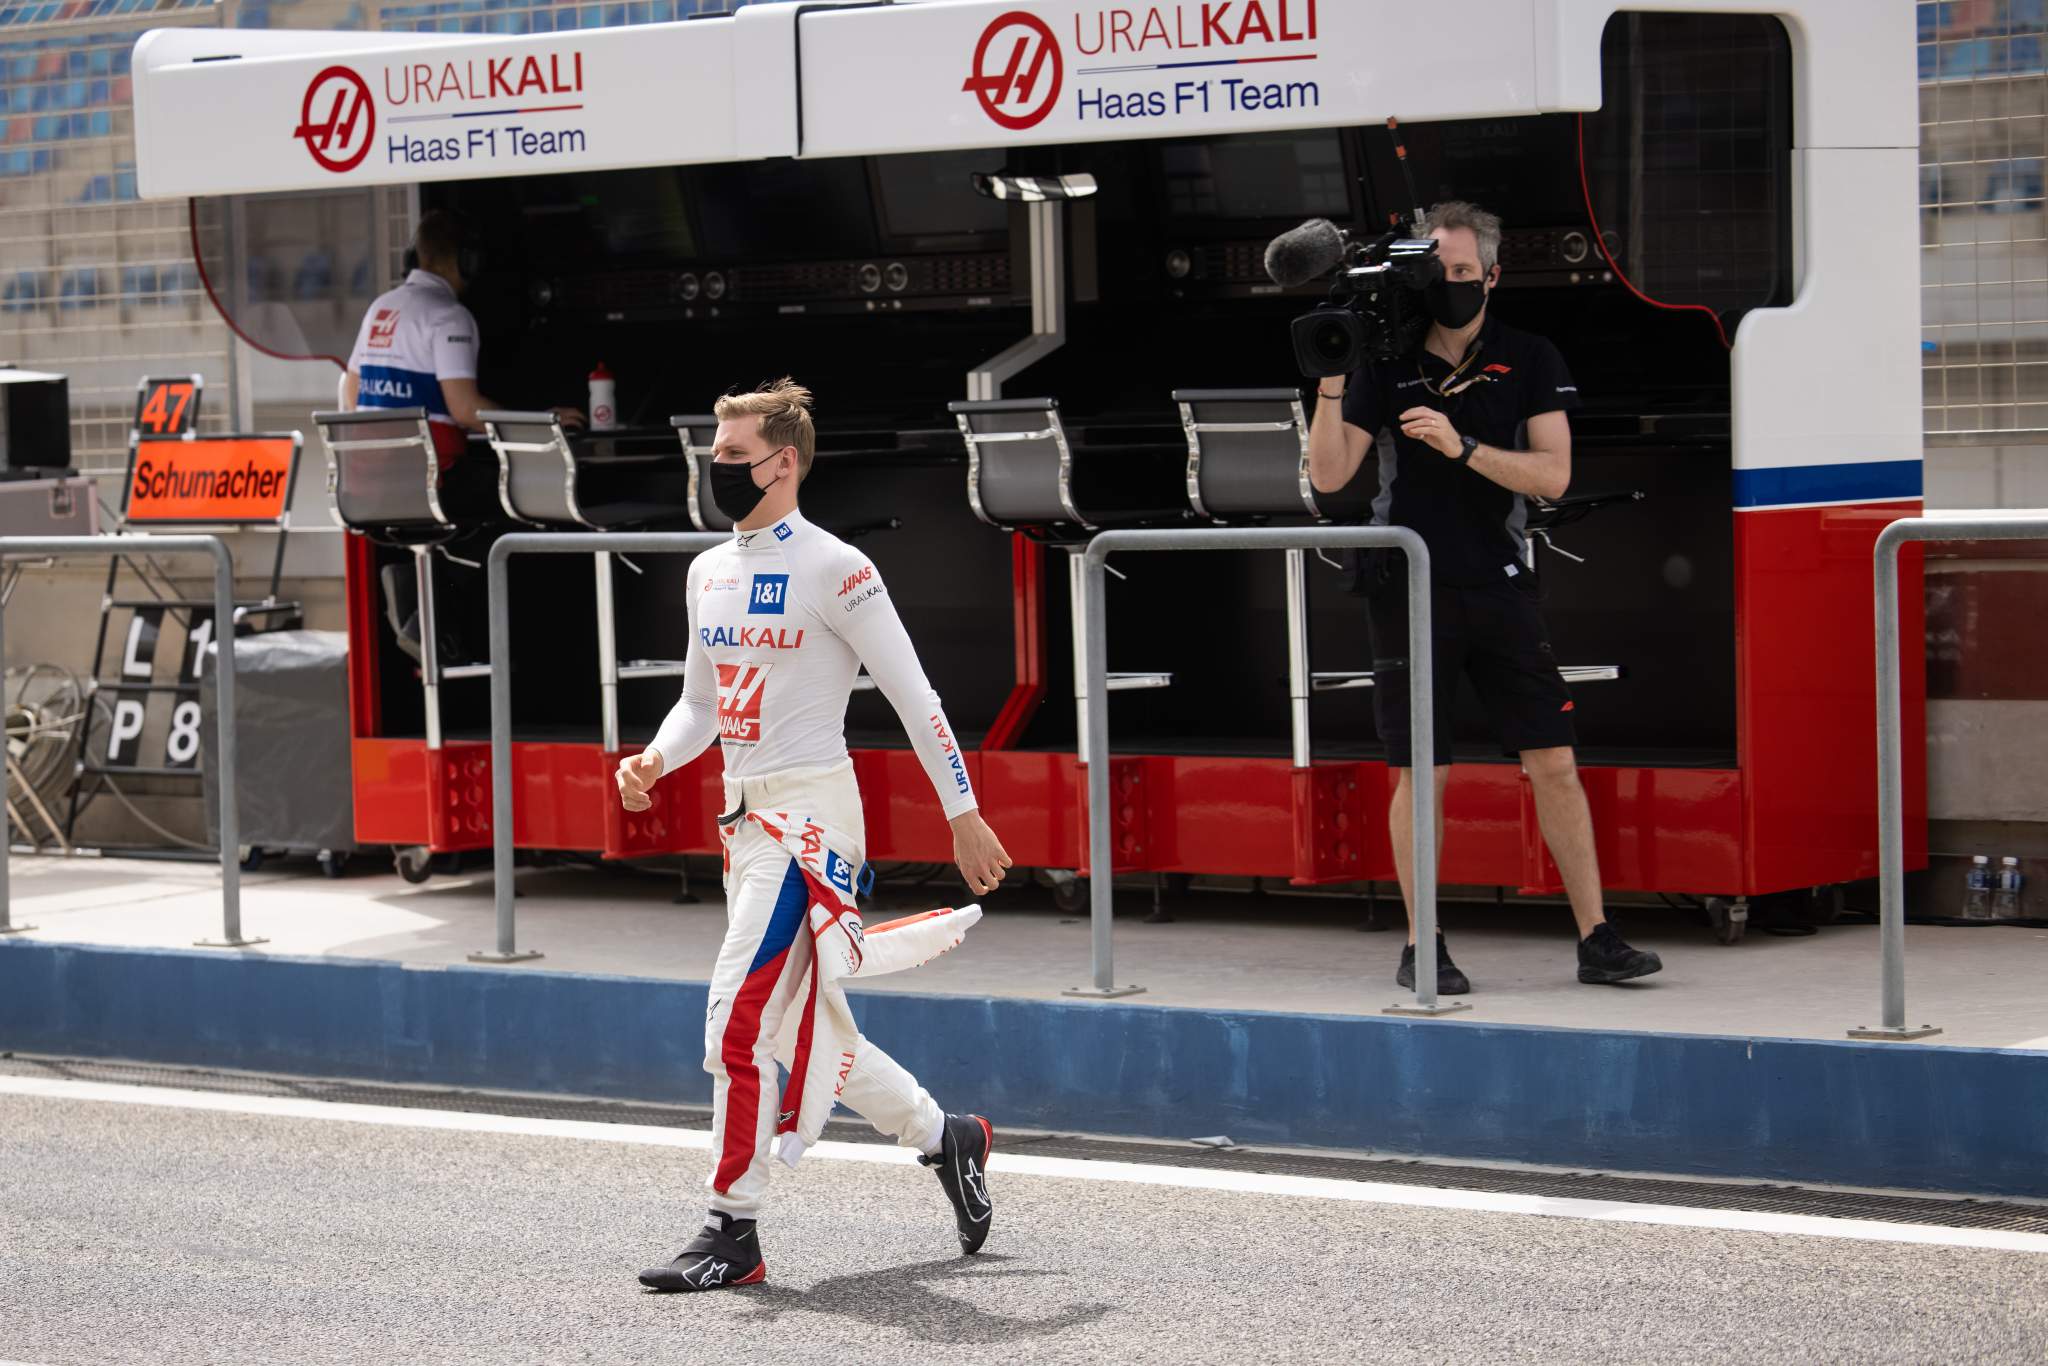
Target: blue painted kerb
1956, 1119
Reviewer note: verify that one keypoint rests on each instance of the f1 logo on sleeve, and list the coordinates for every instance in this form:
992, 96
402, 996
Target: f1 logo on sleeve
771, 594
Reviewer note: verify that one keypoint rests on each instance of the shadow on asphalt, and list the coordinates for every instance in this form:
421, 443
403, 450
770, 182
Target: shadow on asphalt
903, 1298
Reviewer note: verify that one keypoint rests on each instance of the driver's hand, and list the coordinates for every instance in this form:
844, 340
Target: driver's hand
979, 853
637, 776
570, 417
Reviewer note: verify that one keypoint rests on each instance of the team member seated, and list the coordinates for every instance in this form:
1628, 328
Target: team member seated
417, 348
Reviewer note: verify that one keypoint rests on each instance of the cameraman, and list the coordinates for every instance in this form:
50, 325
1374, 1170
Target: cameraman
1478, 426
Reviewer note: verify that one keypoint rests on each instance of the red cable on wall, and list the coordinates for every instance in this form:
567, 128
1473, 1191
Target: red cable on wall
1586, 188
199, 260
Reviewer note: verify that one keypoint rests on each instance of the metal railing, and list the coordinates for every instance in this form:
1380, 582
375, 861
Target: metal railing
602, 544
224, 615
1891, 821
1421, 729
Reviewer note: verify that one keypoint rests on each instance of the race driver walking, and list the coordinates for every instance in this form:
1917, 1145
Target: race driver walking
782, 617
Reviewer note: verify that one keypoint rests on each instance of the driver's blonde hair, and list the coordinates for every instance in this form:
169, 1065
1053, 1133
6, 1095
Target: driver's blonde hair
784, 408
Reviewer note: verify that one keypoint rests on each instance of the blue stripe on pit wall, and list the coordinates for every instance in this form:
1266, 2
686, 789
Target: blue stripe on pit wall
1957, 1119
1866, 482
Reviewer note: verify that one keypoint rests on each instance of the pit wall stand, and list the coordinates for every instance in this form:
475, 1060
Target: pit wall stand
1094, 675
1891, 823
498, 577
231, 936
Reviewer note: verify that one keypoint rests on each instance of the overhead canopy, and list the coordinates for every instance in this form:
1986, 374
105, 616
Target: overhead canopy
222, 111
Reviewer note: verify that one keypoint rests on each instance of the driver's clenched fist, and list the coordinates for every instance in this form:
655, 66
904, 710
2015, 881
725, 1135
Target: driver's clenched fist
637, 777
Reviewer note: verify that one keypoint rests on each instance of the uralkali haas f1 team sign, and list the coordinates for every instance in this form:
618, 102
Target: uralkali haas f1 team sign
1066, 72
322, 110
232, 111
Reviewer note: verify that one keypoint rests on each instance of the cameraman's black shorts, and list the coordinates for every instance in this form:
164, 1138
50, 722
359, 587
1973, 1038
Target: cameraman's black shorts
1494, 635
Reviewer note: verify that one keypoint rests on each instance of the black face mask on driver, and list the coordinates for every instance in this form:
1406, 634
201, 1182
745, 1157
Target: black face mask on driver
734, 490
1453, 303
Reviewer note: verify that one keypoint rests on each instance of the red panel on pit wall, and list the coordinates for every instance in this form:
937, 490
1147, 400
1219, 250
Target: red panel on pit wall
1029, 798
390, 791
459, 797
903, 816
1806, 693
560, 796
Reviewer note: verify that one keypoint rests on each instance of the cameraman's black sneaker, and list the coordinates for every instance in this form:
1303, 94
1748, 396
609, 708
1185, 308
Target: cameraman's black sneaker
1449, 980
1604, 957
962, 1165
724, 1253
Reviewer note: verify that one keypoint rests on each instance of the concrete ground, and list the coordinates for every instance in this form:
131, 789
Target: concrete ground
1982, 986
159, 1234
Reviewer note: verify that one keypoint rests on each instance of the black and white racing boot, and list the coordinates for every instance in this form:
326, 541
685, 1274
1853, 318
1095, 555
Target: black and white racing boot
724, 1253
962, 1165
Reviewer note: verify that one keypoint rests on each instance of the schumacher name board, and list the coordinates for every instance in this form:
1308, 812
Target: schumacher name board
211, 480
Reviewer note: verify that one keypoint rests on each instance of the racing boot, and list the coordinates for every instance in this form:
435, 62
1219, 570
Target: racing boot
962, 1165
724, 1253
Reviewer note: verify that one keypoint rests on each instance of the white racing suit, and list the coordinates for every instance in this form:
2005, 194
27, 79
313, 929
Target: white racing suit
793, 936
781, 621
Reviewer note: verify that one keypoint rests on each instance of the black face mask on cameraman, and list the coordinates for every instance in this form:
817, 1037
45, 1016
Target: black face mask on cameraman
733, 487
1453, 303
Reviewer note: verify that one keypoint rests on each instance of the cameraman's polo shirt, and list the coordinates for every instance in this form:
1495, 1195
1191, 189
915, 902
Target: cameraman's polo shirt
1473, 526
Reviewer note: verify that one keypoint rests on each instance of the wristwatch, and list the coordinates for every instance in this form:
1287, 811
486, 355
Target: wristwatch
1466, 445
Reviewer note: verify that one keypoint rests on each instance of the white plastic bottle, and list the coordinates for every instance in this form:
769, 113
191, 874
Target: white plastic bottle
1977, 891
604, 400
2005, 895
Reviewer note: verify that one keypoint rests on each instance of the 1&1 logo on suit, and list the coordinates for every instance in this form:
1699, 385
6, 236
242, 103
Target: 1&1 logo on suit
769, 595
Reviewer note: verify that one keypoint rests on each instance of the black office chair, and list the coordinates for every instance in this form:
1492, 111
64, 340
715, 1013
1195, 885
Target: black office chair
384, 478
1025, 474
540, 484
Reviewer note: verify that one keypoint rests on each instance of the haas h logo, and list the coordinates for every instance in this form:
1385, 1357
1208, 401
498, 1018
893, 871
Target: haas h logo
338, 119
1017, 70
739, 700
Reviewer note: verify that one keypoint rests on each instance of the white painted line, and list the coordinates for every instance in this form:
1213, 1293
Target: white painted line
1058, 1168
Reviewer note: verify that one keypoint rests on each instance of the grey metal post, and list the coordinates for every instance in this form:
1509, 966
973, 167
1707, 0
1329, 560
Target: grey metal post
607, 656
498, 579
430, 641
1082, 613
1422, 789
1422, 783
1303, 746
1095, 754
224, 727
1891, 818
6, 821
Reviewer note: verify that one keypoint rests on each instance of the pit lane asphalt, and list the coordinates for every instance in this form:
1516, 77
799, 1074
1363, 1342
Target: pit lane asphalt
140, 1233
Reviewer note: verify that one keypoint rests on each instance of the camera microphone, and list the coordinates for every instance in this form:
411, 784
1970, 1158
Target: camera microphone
1301, 254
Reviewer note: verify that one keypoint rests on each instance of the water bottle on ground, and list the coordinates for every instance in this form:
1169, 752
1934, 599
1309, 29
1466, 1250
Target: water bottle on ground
1977, 893
2005, 897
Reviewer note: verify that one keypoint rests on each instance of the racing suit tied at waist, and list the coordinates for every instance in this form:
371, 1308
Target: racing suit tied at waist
842, 947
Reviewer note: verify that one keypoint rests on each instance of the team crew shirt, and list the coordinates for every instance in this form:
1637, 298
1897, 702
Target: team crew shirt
781, 620
412, 338
1472, 526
